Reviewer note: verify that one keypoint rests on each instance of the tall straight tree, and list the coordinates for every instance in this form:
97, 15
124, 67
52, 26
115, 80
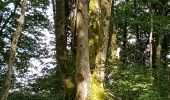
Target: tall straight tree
5, 90
83, 74
61, 42
100, 11
151, 43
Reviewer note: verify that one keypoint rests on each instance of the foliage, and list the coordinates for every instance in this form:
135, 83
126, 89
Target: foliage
134, 83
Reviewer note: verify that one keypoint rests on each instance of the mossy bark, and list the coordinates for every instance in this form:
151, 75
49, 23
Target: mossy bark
100, 11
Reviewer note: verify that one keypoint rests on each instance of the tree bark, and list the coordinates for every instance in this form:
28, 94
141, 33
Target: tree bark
104, 36
158, 51
113, 38
123, 51
61, 45
16, 36
100, 10
83, 74
151, 45
150, 40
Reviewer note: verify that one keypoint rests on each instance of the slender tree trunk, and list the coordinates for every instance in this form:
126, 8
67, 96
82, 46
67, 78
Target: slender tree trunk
159, 54
158, 51
113, 38
165, 41
16, 36
123, 51
151, 45
83, 74
73, 27
137, 25
150, 40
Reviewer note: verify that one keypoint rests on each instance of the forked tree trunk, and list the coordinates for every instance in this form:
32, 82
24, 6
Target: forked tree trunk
83, 75
6, 87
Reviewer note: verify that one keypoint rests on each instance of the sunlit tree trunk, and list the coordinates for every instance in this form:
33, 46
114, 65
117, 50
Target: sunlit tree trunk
100, 10
104, 36
83, 74
151, 44
5, 90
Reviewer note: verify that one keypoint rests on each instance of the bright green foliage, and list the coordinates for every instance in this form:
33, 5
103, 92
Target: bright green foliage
133, 83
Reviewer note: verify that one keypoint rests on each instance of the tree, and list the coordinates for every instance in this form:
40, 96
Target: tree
13, 51
100, 12
83, 74
61, 40
151, 43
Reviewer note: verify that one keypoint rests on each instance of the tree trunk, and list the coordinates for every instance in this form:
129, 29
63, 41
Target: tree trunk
83, 74
99, 28
165, 42
151, 44
112, 42
5, 90
158, 51
61, 46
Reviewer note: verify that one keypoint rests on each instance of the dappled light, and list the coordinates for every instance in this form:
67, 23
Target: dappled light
84, 50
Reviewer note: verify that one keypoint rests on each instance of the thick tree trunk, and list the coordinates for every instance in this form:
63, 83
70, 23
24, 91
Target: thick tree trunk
16, 36
83, 74
61, 46
104, 36
61, 38
99, 28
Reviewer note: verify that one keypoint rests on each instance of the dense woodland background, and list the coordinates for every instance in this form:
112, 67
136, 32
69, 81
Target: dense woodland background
84, 49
